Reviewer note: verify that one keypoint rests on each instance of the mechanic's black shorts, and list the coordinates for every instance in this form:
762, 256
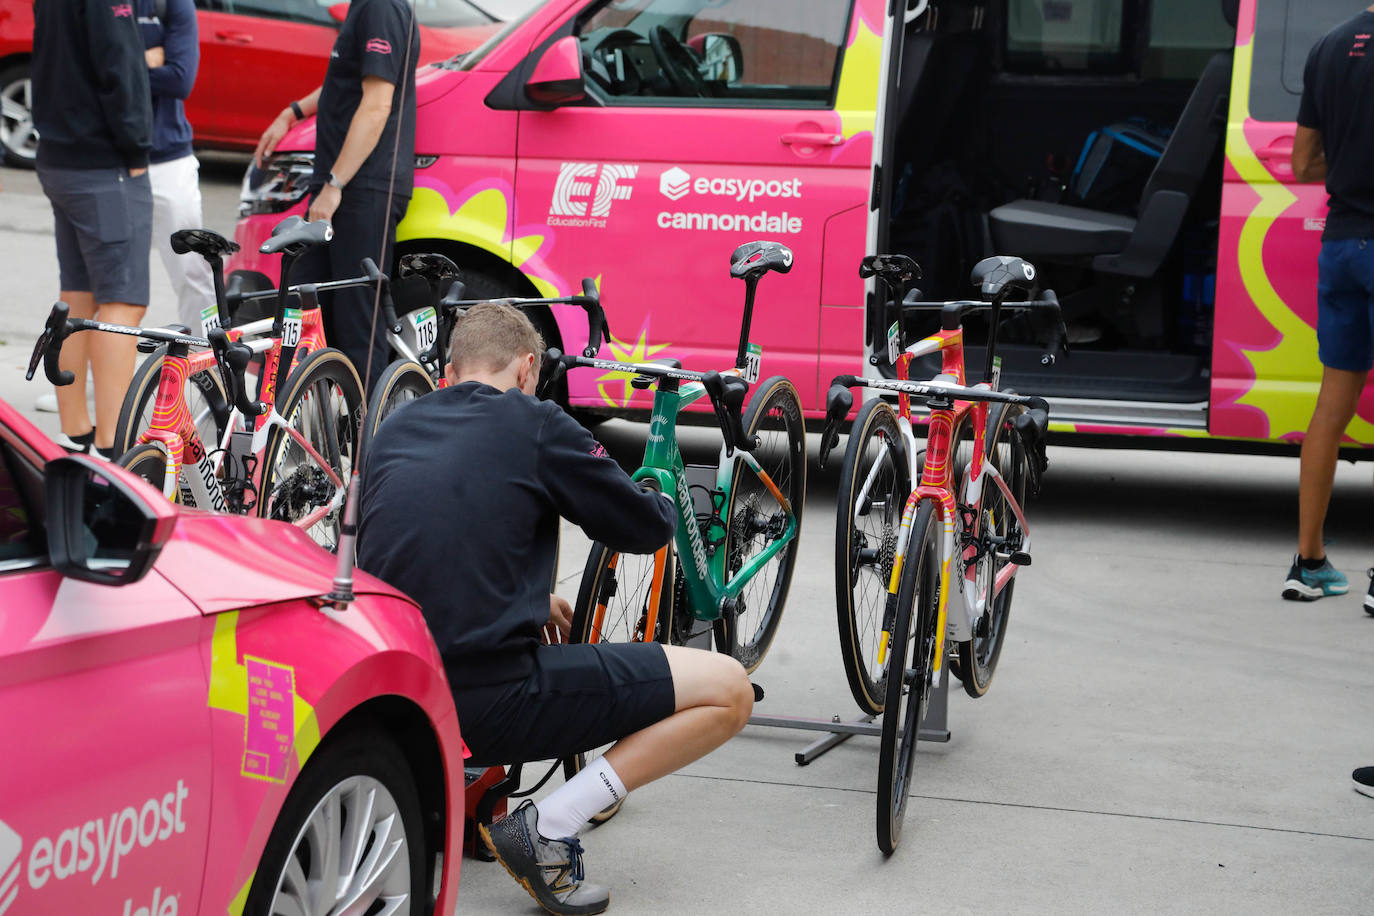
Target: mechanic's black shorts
577, 698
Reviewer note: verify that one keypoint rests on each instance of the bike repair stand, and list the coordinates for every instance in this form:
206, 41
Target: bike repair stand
934, 727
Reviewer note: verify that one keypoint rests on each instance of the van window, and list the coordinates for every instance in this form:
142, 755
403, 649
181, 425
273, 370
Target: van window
746, 53
1285, 31
1065, 36
1184, 34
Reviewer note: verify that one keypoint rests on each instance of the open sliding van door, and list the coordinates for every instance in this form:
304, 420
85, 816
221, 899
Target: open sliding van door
1265, 368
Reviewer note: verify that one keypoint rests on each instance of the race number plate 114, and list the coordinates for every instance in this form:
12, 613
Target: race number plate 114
753, 362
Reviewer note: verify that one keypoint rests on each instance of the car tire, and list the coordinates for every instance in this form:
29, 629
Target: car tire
18, 138
361, 775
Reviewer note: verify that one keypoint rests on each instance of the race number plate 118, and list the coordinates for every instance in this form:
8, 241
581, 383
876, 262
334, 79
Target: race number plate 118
426, 324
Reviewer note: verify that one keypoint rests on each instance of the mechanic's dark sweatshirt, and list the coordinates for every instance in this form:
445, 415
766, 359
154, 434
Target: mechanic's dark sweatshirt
91, 101
175, 32
461, 498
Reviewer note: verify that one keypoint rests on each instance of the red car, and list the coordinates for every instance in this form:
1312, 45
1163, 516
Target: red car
255, 56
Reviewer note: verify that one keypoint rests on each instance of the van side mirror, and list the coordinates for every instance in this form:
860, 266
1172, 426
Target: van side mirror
722, 58
557, 78
338, 12
103, 526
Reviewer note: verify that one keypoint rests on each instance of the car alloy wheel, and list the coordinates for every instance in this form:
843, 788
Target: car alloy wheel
351, 856
18, 136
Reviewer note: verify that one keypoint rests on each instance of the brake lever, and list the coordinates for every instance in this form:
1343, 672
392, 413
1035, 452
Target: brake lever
830, 437
233, 359
48, 348
551, 369
727, 398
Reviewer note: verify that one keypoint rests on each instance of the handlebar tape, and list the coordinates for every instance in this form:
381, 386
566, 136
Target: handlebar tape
50, 343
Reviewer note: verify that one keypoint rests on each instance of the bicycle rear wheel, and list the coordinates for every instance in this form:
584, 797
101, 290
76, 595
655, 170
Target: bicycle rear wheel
976, 659
756, 520
623, 598
402, 382
321, 400
875, 466
149, 461
910, 657
206, 399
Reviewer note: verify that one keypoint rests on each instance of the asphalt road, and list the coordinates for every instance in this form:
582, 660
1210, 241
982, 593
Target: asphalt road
1164, 734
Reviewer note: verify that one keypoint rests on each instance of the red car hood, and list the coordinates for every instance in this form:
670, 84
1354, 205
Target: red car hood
227, 562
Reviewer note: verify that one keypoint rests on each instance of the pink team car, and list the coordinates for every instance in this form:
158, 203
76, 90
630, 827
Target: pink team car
186, 730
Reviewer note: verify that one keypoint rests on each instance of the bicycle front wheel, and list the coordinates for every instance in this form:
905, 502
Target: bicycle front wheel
623, 598
321, 400
149, 461
975, 660
911, 653
205, 398
756, 520
874, 485
402, 382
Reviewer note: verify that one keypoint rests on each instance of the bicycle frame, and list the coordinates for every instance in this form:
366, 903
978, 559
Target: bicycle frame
708, 589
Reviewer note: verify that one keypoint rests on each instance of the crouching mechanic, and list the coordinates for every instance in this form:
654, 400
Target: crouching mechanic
461, 498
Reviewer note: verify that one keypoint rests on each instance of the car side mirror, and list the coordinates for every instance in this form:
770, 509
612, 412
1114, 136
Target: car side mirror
103, 525
722, 58
338, 11
557, 78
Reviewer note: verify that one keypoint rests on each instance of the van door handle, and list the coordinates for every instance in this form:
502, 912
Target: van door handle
811, 139
1282, 148
238, 38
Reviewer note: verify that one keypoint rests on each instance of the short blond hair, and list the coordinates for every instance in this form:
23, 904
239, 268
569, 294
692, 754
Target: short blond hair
488, 336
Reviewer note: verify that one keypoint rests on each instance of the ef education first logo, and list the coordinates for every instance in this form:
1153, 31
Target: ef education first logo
584, 192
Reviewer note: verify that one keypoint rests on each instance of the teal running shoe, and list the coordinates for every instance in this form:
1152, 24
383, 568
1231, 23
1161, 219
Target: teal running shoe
1311, 584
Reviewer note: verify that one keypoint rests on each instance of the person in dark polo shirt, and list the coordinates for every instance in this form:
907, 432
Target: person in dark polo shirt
364, 163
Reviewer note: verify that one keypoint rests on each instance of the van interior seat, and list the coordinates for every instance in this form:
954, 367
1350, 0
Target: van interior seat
1117, 244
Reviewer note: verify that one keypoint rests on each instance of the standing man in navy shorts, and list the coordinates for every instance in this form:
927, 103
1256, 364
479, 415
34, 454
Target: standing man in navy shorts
93, 111
1335, 143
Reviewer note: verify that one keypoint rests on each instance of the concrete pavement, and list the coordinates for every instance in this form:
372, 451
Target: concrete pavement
1164, 735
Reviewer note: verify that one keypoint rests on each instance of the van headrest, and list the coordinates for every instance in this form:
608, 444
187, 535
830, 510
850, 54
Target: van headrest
1231, 10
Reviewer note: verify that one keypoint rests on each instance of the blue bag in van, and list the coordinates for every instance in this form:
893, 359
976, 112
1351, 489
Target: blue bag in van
1115, 164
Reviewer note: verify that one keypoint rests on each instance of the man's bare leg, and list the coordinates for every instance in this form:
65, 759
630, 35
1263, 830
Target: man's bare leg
713, 701
112, 363
72, 412
1336, 403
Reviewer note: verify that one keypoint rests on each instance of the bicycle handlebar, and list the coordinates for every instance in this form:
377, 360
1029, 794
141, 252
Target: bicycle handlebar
952, 314
727, 392
59, 327
598, 329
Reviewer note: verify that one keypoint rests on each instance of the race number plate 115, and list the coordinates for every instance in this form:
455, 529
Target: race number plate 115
753, 362
426, 324
291, 328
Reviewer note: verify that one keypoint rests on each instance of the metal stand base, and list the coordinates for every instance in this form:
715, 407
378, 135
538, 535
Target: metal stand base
934, 727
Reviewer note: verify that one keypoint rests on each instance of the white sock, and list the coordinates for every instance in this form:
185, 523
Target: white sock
568, 808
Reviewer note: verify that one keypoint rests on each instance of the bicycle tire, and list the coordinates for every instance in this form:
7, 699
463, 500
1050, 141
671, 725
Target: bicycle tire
321, 399
975, 660
911, 652
861, 584
205, 398
603, 581
148, 460
774, 414
402, 381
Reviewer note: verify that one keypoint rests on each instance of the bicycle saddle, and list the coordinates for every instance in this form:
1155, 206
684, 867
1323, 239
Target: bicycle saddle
896, 269
293, 235
753, 259
203, 242
996, 273
433, 266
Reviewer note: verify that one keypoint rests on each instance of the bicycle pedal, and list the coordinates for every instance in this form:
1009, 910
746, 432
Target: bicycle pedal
1020, 558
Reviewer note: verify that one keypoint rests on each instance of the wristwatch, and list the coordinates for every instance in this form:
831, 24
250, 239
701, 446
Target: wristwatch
334, 182
296, 110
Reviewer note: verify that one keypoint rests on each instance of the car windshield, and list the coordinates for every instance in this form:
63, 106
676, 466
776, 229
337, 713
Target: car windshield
451, 14
470, 59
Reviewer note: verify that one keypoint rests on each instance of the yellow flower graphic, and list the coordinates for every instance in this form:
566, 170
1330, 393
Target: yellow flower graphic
638, 352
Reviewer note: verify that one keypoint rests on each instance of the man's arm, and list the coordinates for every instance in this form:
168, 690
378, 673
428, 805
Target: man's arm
121, 74
363, 132
1309, 155
176, 75
590, 490
267, 143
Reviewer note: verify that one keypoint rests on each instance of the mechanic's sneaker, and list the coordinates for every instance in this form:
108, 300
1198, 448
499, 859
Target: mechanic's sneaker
551, 870
1311, 584
1363, 780
1369, 595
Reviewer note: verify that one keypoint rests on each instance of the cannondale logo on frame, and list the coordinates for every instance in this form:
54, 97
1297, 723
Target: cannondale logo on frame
584, 192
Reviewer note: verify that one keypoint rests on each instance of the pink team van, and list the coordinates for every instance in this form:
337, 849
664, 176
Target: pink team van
1137, 152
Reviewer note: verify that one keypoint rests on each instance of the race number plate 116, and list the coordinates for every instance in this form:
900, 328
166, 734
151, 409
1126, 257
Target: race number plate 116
894, 343
426, 324
291, 328
753, 362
